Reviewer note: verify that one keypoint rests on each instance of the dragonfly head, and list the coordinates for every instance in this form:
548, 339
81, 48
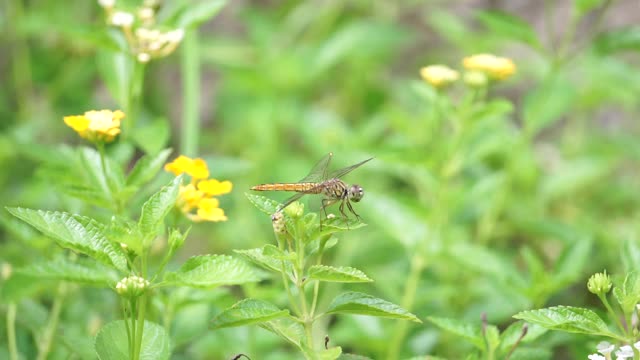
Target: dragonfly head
355, 193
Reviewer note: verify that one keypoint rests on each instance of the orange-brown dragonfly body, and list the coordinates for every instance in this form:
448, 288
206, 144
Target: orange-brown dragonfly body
319, 181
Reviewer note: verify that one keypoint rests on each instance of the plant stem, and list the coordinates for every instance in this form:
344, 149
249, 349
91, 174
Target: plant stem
316, 286
612, 313
44, 345
285, 281
408, 298
11, 331
133, 99
191, 93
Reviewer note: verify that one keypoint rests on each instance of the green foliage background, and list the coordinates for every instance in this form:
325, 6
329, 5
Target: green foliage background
539, 190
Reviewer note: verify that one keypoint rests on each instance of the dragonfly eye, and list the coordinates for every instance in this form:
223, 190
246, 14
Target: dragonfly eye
356, 193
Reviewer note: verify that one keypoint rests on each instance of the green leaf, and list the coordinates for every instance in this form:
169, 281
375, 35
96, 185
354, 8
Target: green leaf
511, 334
247, 311
82, 271
364, 304
571, 263
111, 342
567, 318
509, 26
116, 68
157, 207
194, 13
620, 39
110, 180
152, 136
337, 274
268, 257
547, 103
470, 332
323, 354
628, 295
208, 271
147, 167
630, 254
286, 328
71, 233
263, 204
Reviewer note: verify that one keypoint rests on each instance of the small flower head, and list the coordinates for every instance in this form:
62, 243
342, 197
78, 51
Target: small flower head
196, 168
122, 19
605, 348
295, 210
495, 67
625, 352
209, 210
475, 78
277, 220
197, 199
596, 357
213, 187
439, 75
107, 4
599, 283
132, 287
96, 126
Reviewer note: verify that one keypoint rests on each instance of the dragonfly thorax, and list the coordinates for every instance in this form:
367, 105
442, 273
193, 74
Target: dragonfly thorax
355, 193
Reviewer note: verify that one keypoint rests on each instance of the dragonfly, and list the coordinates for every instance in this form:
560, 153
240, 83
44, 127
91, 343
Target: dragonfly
321, 181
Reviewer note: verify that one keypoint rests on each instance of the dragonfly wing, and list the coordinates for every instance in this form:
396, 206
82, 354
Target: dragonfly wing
344, 171
290, 200
319, 172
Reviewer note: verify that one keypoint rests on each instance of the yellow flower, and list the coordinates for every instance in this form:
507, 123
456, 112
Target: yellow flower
199, 194
214, 187
496, 67
196, 168
209, 210
103, 125
439, 75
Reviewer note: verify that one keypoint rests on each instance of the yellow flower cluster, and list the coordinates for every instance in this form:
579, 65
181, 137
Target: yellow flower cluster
199, 195
495, 67
96, 126
479, 69
439, 75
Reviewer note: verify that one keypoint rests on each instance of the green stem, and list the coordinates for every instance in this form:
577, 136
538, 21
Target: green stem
134, 97
11, 331
612, 313
408, 298
316, 286
44, 346
127, 327
142, 306
191, 93
285, 281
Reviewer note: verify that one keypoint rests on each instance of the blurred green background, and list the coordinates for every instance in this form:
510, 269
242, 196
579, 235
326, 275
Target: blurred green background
538, 191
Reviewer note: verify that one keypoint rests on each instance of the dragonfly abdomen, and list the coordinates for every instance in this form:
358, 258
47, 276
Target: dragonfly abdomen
305, 187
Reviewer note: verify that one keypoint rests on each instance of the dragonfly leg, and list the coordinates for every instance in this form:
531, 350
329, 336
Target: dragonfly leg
353, 211
325, 202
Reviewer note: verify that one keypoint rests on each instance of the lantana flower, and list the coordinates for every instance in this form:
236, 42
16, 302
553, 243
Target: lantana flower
96, 126
197, 200
439, 75
496, 67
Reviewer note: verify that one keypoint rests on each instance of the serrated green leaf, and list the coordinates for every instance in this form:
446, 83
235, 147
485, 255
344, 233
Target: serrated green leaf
109, 180
364, 304
157, 207
247, 311
208, 271
628, 295
147, 167
337, 274
263, 204
511, 334
71, 234
63, 269
268, 257
470, 332
286, 328
111, 342
567, 318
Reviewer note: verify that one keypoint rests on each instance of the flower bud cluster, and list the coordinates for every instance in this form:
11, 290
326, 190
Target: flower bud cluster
132, 286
